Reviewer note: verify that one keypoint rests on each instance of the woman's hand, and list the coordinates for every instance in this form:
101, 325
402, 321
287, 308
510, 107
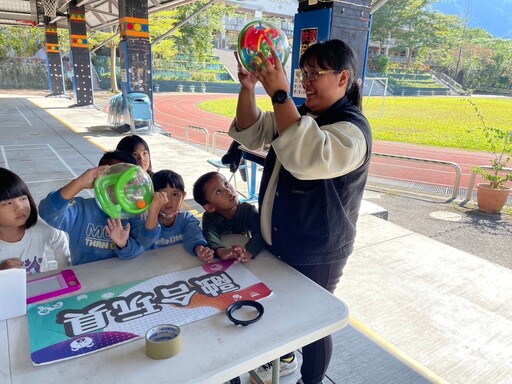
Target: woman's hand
247, 81
272, 76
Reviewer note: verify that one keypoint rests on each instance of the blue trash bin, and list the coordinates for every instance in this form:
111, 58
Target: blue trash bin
139, 111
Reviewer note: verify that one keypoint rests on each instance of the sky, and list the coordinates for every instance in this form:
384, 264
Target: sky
495, 16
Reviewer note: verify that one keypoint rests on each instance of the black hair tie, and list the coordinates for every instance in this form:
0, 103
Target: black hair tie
244, 303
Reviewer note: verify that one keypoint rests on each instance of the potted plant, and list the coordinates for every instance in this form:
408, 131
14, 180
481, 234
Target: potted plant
493, 194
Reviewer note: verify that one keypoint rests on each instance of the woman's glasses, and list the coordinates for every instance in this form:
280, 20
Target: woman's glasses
312, 76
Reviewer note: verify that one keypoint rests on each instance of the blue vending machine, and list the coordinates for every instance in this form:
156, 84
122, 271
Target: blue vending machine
323, 20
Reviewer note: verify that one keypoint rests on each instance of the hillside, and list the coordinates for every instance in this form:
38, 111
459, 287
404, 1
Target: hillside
494, 16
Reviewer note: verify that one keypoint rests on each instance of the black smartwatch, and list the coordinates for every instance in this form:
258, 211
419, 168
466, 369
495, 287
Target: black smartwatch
280, 97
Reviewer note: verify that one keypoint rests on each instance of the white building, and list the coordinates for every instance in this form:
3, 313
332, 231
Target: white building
281, 12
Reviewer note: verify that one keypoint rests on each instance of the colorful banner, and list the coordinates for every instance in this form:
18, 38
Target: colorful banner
308, 36
86, 323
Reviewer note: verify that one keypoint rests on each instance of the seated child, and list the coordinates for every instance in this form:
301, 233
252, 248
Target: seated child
117, 156
224, 214
25, 241
92, 234
139, 148
166, 224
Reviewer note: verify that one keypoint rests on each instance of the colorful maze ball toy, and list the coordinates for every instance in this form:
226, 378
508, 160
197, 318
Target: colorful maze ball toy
261, 36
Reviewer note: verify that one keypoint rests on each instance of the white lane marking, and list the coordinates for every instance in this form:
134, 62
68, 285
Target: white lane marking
25, 117
4, 157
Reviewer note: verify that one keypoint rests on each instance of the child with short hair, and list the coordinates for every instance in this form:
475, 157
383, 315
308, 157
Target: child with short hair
166, 225
117, 156
225, 214
25, 241
93, 235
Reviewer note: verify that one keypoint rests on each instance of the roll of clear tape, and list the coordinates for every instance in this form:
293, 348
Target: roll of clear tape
163, 341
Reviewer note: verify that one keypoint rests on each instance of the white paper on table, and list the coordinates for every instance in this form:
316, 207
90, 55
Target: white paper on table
13, 293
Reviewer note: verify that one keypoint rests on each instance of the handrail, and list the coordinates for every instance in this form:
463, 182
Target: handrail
214, 139
449, 82
458, 171
200, 129
473, 177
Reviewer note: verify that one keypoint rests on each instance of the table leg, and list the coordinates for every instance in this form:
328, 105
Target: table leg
275, 370
275, 373
254, 176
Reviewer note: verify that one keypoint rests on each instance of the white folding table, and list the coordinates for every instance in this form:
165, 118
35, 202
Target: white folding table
214, 349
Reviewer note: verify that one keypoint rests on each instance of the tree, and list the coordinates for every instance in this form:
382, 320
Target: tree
387, 22
486, 61
411, 26
160, 23
196, 36
20, 41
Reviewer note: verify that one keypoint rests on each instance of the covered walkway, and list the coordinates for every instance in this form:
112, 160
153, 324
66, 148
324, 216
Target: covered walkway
421, 311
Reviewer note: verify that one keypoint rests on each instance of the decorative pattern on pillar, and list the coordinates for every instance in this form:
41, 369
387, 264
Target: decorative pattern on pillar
135, 49
54, 62
80, 56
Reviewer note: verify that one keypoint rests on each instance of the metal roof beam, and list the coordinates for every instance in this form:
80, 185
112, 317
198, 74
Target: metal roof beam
377, 5
174, 4
186, 20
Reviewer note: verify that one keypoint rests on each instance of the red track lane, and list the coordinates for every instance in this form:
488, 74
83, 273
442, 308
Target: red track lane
173, 112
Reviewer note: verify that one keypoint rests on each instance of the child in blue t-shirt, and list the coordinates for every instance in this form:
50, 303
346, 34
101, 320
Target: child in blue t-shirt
166, 225
92, 234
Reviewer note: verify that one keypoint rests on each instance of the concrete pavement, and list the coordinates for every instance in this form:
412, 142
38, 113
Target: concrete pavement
443, 314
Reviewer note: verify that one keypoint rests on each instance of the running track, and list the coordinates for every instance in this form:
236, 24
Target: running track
173, 112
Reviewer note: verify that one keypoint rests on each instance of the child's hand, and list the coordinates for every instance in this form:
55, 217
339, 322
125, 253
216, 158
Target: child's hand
117, 233
84, 181
236, 252
226, 253
204, 253
246, 256
159, 201
241, 254
11, 263
87, 178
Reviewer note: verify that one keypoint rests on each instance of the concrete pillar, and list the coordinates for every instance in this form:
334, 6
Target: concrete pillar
135, 50
80, 56
53, 59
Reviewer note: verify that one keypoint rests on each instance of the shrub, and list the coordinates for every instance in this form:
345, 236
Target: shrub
379, 64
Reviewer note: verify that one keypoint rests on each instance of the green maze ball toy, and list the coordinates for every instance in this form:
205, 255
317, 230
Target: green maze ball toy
124, 190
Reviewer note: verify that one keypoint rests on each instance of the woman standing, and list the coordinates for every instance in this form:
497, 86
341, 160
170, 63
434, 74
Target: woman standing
315, 172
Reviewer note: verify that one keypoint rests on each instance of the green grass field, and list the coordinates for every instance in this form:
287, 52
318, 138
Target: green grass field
435, 121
